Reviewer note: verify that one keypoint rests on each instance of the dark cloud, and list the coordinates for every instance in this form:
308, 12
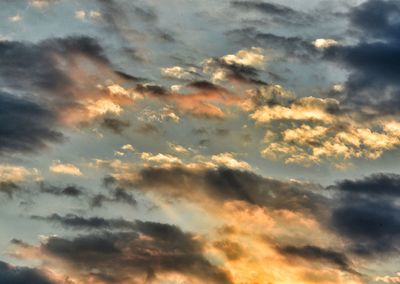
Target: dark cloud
237, 72
41, 70
117, 195
227, 184
8, 188
372, 226
21, 275
278, 13
71, 190
204, 85
378, 185
148, 128
114, 124
145, 252
223, 132
152, 90
48, 70
121, 18
290, 46
374, 60
25, 126
316, 254
93, 223
368, 215
232, 250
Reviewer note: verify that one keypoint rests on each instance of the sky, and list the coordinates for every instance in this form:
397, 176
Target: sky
199, 141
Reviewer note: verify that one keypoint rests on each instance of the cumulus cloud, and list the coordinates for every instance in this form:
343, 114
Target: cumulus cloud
247, 57
228, 160
179, 72
314, 129
322, 43
67, 169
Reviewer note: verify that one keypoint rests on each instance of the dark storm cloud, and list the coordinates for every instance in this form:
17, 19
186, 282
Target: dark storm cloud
374, 62
227, 184
368, 214
278, 13
372, 226
114, 124
21, 275
316, 254
25, 126
93, 223
378, 185
291, 46
146, 251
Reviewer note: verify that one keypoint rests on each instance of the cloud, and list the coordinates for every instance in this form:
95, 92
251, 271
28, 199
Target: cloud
68, 169
278, 13
312, 130
367, 214
160, 158
149, 251
15, 19
117, 126
16, 174
71, 190
388, 279
373, 61
11, 178
317, 255
71, 221
41, 4
210, 185
179, 72
242, 67
228, 160
68, 76
248, 57
323, 43
26, 125
115, 195
19, 275
128, 147
284, 47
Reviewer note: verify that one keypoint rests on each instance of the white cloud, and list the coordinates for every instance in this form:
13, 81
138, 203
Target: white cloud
249, 57
10, 173
15, 19
80, 14
128, 147
178, 72
323, 43
160, 158
228, 160
68, 169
